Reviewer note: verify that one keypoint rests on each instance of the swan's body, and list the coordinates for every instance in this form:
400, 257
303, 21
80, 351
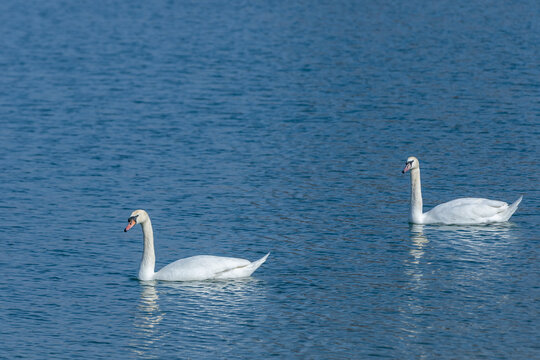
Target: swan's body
200, 267
465, 211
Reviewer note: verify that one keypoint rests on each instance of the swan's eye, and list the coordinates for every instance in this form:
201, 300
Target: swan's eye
133, 218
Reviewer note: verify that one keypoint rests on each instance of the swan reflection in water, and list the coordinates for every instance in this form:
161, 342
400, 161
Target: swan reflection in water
480, 244
213, 303
215, 289
193, 310
419, 241
482, 238
449, 258
147, 319
414, 270
149, 307
465, 241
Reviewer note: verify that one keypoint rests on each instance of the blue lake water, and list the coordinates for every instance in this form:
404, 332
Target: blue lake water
248, 127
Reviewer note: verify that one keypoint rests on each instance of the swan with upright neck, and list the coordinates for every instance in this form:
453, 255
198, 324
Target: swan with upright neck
464, 211
200, 267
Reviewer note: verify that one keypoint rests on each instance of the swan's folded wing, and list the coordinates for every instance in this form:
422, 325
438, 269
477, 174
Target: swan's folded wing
200, 267
489, 208
467, 211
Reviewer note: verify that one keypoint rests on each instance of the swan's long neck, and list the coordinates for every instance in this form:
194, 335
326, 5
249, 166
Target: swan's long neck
148, 261
415, 214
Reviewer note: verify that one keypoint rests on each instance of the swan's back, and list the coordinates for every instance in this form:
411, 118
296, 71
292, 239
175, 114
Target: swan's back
203, 267
466, 211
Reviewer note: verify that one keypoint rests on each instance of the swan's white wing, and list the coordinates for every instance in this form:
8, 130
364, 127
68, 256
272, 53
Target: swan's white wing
200, 267
467, 211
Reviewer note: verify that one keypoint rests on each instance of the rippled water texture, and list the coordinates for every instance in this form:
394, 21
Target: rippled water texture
248, 127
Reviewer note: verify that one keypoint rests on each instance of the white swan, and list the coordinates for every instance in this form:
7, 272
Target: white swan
200, 267
465, 211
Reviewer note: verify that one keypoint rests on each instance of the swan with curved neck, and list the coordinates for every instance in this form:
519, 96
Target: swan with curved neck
200, 267
464, 211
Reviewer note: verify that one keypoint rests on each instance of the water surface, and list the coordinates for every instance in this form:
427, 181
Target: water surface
248, 127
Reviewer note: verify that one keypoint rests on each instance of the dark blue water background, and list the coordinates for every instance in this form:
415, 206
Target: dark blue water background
247, 127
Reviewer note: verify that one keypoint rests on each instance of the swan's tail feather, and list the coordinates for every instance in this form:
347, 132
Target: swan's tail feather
512, 208
255, 264
241, 271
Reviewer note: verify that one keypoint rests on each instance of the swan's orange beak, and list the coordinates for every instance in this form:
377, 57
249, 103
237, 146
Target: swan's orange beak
407, 167
130, 225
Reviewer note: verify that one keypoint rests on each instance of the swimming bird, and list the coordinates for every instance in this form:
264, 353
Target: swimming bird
199, 267
464, 211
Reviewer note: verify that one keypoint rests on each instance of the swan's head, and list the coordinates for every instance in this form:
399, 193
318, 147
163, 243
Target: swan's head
411, 164
136, 217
